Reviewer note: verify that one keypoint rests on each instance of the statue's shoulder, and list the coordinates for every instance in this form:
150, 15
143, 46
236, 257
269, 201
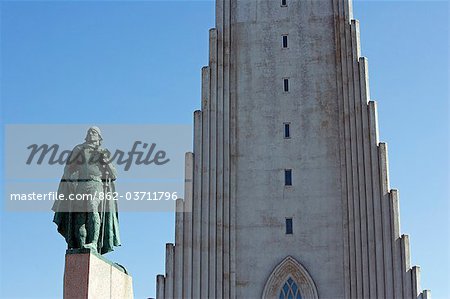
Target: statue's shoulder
79, 147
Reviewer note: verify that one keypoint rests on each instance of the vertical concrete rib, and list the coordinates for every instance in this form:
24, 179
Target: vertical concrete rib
364, 284
178, 264
342, 148
353, 157
233, 143
426, 294
406, 271
364, 80
187, 225
168, 284
396, 251
160, 287
378, 227
204, 240
415, 274
219, 144
219, 15
196, 206
386, 218
212, 161
348, 154
226, 152
365, 96
348, 10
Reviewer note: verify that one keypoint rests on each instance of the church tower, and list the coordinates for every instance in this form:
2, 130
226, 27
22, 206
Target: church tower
287, 190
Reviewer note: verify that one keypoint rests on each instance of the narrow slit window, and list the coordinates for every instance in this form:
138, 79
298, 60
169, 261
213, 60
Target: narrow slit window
286, 84
288, 177
287, 130
289, 228
285, 41
283, 2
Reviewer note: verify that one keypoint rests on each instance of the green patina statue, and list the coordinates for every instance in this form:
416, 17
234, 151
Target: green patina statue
88, 217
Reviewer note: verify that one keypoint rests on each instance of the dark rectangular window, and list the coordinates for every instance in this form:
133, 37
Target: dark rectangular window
283, 2
286, 84
287, 130
289, 229
285, 41
288, 177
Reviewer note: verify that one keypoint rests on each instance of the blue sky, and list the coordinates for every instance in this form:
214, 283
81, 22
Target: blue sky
139, 63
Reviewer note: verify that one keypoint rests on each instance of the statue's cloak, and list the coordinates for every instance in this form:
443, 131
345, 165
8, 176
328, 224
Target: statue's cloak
66, 220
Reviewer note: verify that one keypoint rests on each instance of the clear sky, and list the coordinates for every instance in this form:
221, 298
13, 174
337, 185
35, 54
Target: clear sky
139, 62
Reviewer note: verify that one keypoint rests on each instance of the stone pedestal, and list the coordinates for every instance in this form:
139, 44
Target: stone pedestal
88, 275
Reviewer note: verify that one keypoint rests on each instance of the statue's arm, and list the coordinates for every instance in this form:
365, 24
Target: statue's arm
73, 164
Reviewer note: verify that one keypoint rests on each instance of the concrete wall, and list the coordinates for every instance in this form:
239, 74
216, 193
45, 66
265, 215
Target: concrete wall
230, 229
314, 200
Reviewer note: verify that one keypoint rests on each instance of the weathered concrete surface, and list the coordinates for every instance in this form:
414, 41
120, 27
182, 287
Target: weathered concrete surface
346, 232
314, 200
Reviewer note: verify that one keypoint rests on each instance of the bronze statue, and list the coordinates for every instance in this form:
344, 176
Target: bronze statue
88, 217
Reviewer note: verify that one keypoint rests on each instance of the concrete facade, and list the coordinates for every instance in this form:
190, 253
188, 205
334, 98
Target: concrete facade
346, 240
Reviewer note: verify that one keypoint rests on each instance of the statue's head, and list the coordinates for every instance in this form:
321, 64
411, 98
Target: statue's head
94, 135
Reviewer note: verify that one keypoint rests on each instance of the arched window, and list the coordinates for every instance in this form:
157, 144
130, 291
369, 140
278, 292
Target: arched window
290, 280
290, 290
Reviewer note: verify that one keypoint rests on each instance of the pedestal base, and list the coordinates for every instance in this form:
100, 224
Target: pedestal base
88, 275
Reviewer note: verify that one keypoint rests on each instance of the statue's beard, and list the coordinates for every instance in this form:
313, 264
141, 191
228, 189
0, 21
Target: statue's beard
94, 142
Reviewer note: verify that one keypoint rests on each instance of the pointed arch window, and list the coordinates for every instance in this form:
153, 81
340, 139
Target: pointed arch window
290, 280
290, 290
